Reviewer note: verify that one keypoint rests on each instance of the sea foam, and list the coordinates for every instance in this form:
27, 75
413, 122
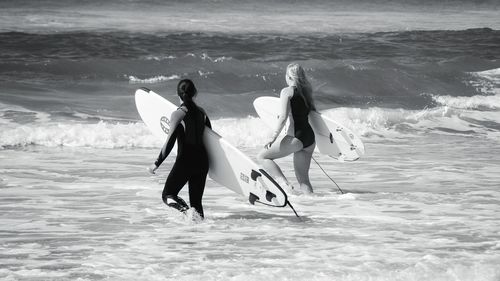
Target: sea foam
251, 132
152, 80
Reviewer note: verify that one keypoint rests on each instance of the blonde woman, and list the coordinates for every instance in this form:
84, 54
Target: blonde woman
295, 104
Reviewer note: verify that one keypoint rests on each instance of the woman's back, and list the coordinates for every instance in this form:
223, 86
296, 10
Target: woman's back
300, 114
190, 147
194, 122
300, 110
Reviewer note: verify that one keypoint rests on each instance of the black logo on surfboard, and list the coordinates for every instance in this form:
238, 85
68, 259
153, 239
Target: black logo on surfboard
165, 124
244, 177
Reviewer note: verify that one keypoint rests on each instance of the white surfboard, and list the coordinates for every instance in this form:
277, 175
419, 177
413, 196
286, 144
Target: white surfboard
227, 164
332, 138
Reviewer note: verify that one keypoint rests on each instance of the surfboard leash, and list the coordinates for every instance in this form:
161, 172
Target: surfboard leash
342, 192
293, 209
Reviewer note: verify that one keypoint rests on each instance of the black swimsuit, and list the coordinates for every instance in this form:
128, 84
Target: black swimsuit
300, 114
191, 164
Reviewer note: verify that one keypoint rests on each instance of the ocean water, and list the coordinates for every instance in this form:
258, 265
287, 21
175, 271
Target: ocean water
419, 82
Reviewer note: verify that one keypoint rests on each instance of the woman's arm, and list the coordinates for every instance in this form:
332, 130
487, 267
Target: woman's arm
284, 110
167, 147
175, 120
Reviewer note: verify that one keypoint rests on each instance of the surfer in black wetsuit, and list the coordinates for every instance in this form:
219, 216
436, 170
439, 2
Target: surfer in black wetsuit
299, 140
187, 125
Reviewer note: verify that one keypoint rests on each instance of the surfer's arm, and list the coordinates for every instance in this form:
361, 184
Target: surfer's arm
283, 115
167, 147
175, 120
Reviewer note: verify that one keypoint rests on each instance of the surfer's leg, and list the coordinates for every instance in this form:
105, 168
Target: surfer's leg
301, 164
196, 188
175, 181
279, 149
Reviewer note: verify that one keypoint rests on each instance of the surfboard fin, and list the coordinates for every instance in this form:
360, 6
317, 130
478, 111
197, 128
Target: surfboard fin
270, 196
252, 198
254, 175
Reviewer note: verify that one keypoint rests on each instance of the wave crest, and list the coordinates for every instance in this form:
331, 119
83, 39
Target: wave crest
250, 132
100, 135
475, 102
152, 80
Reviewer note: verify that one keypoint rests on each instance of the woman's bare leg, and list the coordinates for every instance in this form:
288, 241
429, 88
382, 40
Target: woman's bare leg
279, 149
301, 164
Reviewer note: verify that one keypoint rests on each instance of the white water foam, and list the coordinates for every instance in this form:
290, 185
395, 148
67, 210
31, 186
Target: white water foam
152, 80
492, 75
93, 214
101, 134
401, 123
474, 102
160, 58
205, 56
251, 132
487, 82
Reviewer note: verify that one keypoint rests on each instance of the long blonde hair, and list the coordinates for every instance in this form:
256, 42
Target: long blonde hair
298, 75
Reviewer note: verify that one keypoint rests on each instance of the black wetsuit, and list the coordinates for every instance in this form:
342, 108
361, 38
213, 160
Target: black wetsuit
300, 114
191, 164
